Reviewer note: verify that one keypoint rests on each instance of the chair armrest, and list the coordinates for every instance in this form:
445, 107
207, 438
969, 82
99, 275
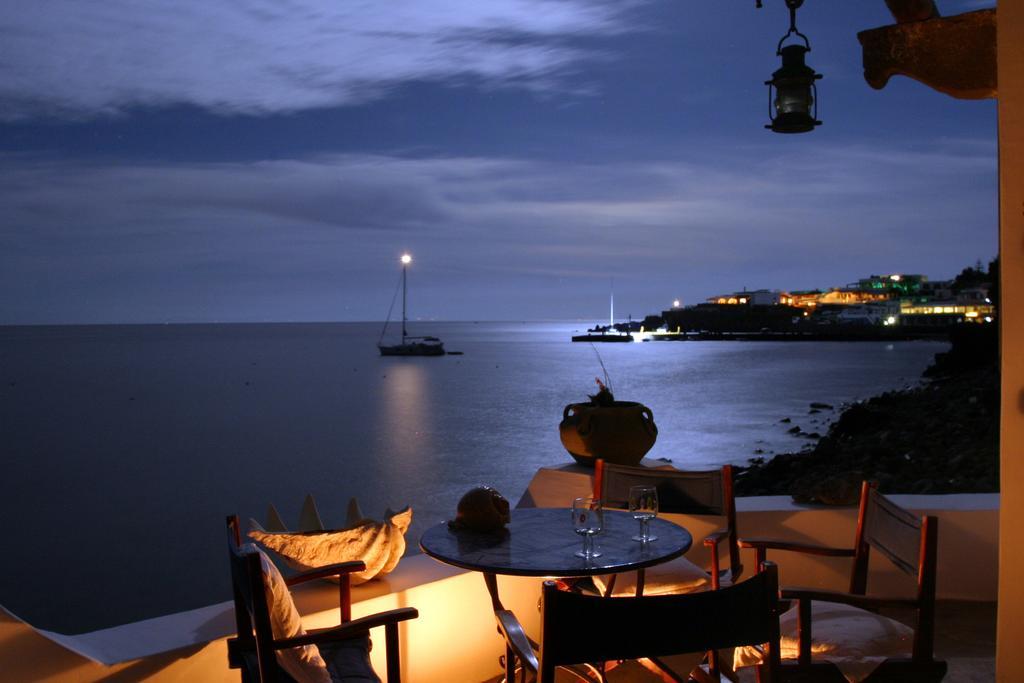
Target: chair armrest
350, 629
326, 571
864, 601
516, 639
794, 546
715, 537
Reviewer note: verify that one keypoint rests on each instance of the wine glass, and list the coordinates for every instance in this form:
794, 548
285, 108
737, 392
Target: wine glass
587, 521
643, 503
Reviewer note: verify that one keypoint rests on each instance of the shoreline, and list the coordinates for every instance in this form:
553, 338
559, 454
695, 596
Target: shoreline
853, 335
937, 438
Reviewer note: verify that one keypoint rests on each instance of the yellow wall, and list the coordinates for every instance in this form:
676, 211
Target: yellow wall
1010, 635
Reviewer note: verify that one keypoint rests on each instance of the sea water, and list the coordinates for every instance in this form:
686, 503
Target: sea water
124, 447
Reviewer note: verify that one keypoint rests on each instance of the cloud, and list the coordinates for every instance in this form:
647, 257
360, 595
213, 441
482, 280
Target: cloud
307, 230
68, 58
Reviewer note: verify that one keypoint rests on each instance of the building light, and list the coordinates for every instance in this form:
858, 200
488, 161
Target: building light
677, 303
988, 318
891, 320
894, 278
971, 314
743, 299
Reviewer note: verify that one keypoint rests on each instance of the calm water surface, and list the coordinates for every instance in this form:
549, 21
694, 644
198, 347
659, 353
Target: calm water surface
124, 447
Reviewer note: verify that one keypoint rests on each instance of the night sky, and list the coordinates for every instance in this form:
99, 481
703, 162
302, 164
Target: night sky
269, 160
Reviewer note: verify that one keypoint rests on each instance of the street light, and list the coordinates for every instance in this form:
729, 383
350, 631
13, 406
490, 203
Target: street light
794, 107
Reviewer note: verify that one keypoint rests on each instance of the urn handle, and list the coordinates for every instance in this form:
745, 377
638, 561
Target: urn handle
580, 419
648, 421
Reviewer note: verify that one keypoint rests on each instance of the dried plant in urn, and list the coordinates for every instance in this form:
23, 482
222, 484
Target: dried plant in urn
620, 432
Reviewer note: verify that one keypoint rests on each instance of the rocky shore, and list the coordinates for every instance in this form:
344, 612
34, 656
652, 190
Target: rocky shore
939, 437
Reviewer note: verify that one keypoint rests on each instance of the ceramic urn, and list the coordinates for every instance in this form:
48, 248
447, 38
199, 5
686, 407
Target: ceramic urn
620, 433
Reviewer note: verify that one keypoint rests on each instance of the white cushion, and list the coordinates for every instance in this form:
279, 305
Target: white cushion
855, 640
678, 576
303, 663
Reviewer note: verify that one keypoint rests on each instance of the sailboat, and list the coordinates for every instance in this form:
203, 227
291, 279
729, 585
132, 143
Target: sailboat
608, 334
410, 346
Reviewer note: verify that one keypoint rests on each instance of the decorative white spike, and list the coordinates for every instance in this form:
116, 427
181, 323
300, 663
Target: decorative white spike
354, 515
309, 518
274, 521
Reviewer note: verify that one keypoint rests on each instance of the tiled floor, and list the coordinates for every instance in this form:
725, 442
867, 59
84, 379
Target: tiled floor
965, 638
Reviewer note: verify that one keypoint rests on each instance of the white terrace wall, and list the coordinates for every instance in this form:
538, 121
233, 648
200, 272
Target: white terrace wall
455, 640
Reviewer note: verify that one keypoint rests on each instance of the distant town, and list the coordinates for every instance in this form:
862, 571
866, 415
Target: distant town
892, 305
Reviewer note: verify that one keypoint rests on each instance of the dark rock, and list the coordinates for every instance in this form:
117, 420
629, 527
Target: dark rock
813, 411
859, 418
843, 489
785, 420
927, 439
793, 430
821, 406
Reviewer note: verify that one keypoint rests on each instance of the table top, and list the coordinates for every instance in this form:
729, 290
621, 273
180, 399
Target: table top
541, 542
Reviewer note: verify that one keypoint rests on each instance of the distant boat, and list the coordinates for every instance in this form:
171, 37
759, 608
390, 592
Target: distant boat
602, 337
605, 334
410, 346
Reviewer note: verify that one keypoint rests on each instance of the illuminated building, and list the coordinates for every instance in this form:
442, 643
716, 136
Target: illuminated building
944, 313
758, 297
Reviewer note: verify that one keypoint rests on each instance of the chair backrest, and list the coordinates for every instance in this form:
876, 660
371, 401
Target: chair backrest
679, 491
252, 614
910, 542
579, 628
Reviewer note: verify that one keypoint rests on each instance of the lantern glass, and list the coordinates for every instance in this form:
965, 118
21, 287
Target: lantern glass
793, 99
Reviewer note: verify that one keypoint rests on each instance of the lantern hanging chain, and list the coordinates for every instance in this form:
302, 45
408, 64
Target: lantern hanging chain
793, 6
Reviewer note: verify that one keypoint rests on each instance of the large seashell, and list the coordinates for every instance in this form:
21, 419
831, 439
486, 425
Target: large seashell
380, 544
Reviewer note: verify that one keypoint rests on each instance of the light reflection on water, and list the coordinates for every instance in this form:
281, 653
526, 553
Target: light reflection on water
406, 406
124, 447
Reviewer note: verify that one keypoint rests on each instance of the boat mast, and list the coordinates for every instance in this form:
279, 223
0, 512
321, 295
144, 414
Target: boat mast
406, 260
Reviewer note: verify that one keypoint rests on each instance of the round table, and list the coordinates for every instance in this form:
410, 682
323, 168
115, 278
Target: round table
541, 542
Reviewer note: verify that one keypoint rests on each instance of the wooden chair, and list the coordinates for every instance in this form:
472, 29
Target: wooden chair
682, 492
578, 628
345, 647
910, 542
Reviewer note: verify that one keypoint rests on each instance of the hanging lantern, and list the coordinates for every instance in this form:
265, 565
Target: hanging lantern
792, 93
794, 106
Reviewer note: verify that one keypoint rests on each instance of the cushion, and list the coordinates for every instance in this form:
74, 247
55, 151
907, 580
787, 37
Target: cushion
678, 576
304, 663
855, 640
348, 661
